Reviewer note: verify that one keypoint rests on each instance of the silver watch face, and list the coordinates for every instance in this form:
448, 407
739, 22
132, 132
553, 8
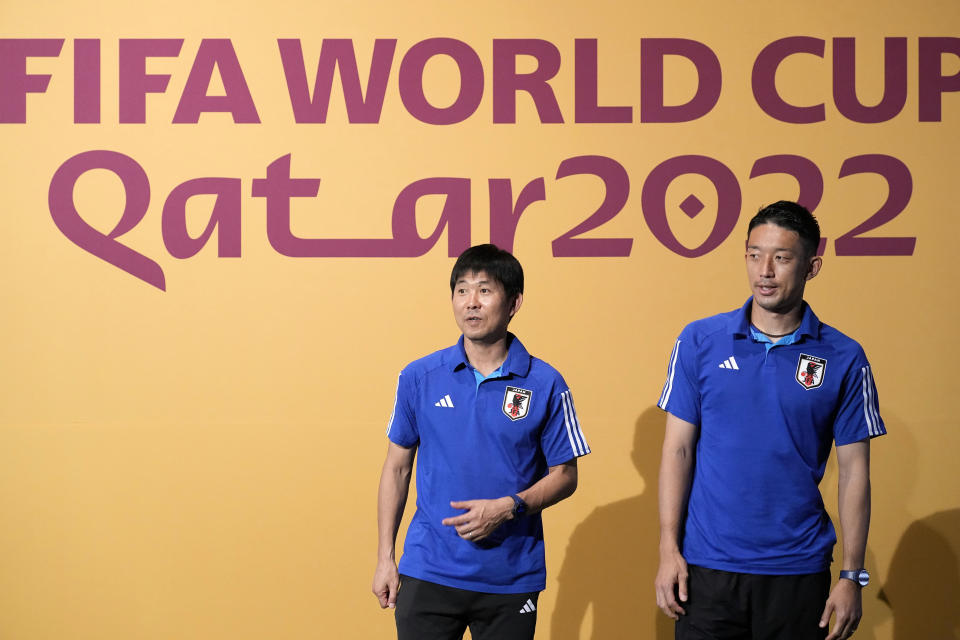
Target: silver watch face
863, 578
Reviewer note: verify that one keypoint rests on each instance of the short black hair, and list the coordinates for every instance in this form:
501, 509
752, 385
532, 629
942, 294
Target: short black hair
495, 262
794, 217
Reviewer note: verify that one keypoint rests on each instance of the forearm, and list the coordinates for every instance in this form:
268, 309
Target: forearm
676, 474
391, 500
854, 502
559, 483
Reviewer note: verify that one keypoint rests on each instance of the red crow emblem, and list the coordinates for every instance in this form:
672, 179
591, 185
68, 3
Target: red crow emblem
810, 371
516, 402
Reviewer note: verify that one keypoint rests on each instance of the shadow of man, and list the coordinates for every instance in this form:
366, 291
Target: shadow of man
923, 584
611, 559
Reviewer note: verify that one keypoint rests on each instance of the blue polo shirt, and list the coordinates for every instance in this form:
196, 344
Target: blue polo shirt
768, 417
479, 440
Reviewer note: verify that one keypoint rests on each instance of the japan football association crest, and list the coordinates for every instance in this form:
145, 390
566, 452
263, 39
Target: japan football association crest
516, 402
810, 371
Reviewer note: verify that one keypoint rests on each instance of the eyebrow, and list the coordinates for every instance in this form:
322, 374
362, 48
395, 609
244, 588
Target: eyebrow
755, 246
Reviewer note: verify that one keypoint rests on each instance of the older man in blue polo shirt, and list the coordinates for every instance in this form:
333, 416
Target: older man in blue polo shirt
498, 441
756, 399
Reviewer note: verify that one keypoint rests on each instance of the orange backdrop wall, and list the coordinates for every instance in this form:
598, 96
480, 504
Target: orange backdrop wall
216, 259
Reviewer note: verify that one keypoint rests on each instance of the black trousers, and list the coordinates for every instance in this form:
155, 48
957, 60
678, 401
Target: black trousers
429, 611
743, 606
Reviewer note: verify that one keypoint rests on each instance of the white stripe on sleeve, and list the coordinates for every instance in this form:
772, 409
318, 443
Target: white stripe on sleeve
577, 442
871, 410
396, 399
671, 370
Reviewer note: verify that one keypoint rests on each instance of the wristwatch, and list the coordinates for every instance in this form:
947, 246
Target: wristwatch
860, 576
519, 506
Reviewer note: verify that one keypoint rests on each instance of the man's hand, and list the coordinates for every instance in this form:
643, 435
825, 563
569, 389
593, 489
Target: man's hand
481, 517
845, 603
386, 581
672, 575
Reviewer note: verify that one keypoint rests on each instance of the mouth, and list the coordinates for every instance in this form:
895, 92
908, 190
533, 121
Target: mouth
765, 289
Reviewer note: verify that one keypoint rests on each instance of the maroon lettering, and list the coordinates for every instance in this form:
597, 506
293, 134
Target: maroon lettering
507, 82
411, 81
194, 100
134, 81
586, 87
653, 200
136, 186
932, 83
504, 215
336, 54
86, 81
15, 82
455, 217
900, 183
764, 77
616, 184
652, 53
894, 81
278, 187
225, 218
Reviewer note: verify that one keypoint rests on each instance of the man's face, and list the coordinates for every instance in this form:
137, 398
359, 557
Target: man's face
481, 307
778, 267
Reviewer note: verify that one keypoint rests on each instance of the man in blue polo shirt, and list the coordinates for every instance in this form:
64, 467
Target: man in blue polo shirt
755, 400
498, 442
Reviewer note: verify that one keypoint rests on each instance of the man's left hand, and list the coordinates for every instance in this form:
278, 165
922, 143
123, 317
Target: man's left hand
481, 517
845, 603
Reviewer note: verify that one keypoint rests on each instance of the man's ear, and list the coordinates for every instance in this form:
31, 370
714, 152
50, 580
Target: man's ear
517, 301
816, 262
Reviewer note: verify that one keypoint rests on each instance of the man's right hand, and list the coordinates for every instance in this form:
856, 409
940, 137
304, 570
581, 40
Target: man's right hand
386, 582
671, 578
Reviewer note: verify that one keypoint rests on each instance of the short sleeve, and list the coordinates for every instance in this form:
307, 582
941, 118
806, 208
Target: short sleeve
561, 438
402, 428
681, 395
859, 415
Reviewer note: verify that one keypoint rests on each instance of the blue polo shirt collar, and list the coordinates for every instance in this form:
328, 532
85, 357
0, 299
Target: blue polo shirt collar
517, 362
739, 324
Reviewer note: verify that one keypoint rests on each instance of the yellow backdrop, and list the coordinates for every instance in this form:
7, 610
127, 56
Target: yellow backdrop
201, 460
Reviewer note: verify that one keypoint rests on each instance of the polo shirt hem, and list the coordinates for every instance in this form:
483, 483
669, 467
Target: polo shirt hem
406, 444
477, 587
846, 441
694, 420
761, 569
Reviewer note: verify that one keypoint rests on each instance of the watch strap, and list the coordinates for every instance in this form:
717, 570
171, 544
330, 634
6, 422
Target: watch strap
859, 576
519, 506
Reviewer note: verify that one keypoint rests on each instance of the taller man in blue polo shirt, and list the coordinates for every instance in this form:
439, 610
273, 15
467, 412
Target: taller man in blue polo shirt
498, 442
756, 398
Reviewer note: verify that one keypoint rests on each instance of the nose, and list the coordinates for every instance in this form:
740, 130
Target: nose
473, 300
766, 267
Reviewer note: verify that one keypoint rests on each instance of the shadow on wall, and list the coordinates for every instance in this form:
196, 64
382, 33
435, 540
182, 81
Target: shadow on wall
923, 584
612, 558
920, 590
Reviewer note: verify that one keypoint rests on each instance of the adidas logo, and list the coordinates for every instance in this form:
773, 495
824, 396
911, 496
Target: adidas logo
445, 401
729, 363
529, 607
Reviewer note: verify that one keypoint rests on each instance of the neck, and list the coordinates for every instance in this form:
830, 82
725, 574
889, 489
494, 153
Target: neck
776, 323
486, 357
